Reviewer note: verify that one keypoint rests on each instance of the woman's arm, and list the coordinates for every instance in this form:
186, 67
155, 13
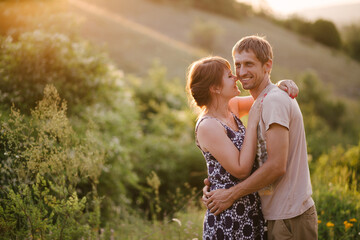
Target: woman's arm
288, 86
241, 105
212, 137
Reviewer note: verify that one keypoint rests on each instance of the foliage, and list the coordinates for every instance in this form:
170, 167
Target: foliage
326, 118
322, 31
351, 38
335, 182
167, 144
299, 25
116, 125
123, 163
325, 32
40, 58
96, 96
186, 224
204, 34
42, 166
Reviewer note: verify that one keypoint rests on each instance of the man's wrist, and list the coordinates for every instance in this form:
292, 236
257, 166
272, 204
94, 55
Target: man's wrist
233, 194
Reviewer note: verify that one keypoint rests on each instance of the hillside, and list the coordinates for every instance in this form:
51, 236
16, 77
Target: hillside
137, 32
341, 14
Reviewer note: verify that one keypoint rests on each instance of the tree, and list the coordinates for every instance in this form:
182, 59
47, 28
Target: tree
352, 40
204, 34
326, 33
297, 24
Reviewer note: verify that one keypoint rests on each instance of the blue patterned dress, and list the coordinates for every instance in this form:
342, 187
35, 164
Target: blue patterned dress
244, 219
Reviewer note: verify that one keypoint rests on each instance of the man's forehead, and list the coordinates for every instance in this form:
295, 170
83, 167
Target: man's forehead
245, 54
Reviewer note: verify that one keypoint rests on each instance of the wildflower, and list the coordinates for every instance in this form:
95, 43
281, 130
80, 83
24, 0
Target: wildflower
329, 224
347, 225
319, 221
353, 220
177, 220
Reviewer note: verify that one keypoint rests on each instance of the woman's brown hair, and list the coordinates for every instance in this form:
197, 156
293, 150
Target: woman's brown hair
202, 75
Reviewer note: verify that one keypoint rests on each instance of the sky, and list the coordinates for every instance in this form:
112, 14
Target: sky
288, 6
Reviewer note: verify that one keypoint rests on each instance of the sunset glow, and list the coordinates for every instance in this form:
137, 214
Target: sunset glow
288, 7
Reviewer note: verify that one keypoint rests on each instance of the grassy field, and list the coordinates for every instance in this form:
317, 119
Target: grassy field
135, 33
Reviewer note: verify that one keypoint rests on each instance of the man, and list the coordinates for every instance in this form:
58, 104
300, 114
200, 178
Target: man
283, 180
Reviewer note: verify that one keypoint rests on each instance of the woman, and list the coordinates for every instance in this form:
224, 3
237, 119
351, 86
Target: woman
220, 135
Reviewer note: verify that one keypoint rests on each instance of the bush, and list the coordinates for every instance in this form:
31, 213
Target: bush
96, 95
352, 40
43, 166
39, 58
115, 119
336, 182
167, 145
325, 117
298, 24
322, 31
204, 34
326, 33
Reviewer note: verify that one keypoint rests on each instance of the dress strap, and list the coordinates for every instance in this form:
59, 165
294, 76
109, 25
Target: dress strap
237, 120
197, 126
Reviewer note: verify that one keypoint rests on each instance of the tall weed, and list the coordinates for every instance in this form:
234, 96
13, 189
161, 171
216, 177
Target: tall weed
43, 164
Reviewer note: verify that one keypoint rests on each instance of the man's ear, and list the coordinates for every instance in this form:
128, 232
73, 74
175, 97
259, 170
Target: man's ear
268, 65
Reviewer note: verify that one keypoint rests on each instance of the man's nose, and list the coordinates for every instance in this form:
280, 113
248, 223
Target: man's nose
242, 71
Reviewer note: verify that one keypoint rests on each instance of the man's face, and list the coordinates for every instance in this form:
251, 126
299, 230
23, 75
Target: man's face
249, 70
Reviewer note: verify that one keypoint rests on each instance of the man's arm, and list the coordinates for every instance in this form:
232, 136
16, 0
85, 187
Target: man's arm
277, 140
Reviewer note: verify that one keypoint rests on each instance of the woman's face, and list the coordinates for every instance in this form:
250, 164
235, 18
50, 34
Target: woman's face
229, 87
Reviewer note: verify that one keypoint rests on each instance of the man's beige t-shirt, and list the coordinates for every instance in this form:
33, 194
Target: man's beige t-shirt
290, 195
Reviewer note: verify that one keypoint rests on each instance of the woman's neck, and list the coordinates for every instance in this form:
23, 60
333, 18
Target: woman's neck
221, 111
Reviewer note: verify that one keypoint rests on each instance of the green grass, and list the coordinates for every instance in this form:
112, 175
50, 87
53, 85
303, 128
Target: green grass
186, 224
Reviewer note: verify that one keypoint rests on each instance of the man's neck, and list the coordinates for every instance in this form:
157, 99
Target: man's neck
256, 91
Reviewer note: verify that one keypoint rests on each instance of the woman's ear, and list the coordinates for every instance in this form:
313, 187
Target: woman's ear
215, 90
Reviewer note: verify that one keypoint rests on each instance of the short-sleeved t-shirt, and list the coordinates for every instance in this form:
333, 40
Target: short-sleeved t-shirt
290, 195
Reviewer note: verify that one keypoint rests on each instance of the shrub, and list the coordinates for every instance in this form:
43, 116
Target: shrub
335, 182
325, 117
40, 58
326, 33
204, 34
297, 24
167, 145
352, 40
115, 119
96, 95
43, 165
